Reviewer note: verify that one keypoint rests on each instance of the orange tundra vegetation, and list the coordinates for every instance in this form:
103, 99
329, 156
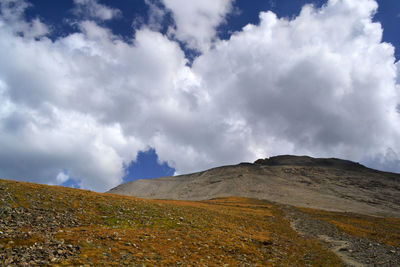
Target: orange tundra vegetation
78, 227
383, 230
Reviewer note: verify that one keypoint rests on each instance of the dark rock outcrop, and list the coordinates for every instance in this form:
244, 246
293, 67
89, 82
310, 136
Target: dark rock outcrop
308, 161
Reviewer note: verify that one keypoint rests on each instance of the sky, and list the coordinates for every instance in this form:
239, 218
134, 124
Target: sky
96, 93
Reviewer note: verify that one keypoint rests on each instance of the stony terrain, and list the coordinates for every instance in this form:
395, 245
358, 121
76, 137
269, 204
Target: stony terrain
299, 211
52, 225
358, 240
49, 225
329, 184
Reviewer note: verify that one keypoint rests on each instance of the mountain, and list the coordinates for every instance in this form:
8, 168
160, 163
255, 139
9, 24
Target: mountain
273, 225
320, 183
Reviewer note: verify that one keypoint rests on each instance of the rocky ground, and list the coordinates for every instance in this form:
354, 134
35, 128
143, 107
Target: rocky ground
50, 225
353, 250
28, 234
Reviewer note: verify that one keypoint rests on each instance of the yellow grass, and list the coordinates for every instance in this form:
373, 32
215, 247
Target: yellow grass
117, 230
383, 230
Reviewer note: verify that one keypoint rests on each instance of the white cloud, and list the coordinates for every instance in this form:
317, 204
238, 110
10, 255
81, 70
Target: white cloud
196, 21
35, 147
62, 177
309, 85
92, 9
11, 14
78, 103
88, 102
156, 15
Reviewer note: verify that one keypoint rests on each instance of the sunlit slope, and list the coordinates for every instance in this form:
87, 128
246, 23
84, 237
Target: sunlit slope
51, 225
330, 184
54, 225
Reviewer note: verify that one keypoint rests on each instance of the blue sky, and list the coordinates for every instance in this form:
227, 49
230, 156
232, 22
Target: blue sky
95, 93
57, 12
147, 166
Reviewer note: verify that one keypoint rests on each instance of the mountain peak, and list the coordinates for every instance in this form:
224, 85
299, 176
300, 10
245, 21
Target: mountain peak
307, 161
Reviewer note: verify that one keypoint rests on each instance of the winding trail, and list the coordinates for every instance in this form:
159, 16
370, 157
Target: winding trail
353, 251
338, 246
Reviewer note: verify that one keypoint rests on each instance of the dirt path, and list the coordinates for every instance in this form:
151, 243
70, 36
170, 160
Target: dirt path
354, 251
339, 246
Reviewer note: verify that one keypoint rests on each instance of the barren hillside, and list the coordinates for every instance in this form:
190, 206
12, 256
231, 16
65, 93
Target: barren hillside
330, 184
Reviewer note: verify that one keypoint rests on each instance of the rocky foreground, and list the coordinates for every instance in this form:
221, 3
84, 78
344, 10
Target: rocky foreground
50, 225
329, 184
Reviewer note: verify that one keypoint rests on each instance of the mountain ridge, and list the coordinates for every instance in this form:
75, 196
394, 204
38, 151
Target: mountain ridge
307, 161
323, 183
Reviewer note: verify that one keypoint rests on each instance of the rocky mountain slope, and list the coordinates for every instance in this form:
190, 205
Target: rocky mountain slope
329, 184
44, 225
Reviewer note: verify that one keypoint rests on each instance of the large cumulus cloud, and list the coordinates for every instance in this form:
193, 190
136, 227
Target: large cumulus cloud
316, 85
83, 105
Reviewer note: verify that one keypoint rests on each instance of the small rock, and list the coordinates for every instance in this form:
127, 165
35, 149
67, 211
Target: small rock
267, 242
